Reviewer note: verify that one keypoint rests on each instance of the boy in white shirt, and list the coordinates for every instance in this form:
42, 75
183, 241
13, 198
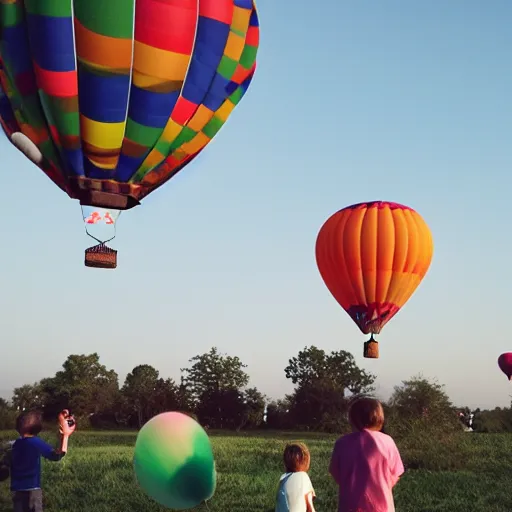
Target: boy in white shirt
295, 493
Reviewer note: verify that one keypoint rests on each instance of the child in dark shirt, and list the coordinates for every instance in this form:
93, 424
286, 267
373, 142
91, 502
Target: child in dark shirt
25, 458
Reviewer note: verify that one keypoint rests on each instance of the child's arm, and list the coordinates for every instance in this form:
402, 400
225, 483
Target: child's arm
47, 451
309, 502
65, 430
396, 465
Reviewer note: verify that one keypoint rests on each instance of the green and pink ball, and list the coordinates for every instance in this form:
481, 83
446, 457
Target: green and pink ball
174, 462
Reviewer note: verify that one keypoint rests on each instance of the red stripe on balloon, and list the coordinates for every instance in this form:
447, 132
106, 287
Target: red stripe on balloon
61, 84
220, 10
183, 110
167, 25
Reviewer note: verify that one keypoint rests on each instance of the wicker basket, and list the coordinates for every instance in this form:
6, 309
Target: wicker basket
371, 349
100, 256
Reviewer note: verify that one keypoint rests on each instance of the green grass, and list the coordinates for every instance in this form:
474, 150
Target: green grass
460, 473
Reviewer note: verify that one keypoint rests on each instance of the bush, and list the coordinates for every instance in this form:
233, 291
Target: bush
7, 419
425, 425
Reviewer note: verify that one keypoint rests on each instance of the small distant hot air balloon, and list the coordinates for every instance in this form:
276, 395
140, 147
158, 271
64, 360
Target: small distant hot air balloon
372, 257
112, 98
505, 364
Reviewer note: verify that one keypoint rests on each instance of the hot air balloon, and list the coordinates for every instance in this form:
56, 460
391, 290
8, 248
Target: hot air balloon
372, 257
505, 364
112, 98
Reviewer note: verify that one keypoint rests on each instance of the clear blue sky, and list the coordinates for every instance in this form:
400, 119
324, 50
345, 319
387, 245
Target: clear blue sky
352, 101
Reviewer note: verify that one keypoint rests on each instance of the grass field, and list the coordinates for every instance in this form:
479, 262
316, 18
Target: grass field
464, 473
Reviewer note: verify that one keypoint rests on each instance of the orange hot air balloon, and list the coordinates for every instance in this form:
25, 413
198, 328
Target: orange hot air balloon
372, 257
505, 364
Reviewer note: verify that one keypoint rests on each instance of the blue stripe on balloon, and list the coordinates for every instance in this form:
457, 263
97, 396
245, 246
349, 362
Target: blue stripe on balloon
127, 167
217, 93
103, 98
91, 171
245, 4
214, 34
208, 51
150, 108
52, 42
75, 160
16, 50
254, 20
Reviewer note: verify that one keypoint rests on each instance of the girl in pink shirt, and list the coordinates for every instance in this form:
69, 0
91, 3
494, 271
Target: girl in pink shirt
366, 464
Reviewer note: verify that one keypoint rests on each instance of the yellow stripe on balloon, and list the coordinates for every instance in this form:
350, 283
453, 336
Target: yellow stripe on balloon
197, 143
201, 117
171, 131
234, 46
102, 135
153, 159
148, 82
158, 63
225, 110
241, 19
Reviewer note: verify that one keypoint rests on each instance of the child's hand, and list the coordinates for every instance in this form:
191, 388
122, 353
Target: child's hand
67, 423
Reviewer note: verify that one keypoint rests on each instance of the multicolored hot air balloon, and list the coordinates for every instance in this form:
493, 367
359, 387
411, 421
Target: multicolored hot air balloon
372, 257
505, 364
112, 98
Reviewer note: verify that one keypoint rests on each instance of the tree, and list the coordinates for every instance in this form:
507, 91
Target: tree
254, 402
7, 417
214, 372
139, 390
84, 386
420, 397
221, 408
419, 403
28, 396
322, 381
493, 421
339, 368
215, 382
278, 417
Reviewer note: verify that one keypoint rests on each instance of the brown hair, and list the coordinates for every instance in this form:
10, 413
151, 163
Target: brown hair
296, 457
29, 423
367, 413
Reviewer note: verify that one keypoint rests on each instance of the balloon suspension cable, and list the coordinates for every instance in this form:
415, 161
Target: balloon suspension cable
101, 242
100, 256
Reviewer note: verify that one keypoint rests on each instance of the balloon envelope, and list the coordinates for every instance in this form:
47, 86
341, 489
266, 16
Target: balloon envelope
112, 98
174, 462
372, 257
505, 364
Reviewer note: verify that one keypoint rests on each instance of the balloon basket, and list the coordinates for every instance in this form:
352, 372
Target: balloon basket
371, 349
100, 256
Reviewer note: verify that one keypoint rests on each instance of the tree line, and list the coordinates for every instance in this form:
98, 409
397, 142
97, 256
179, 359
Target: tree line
215, 389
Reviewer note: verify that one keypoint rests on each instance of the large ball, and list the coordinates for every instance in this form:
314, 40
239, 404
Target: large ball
174, 462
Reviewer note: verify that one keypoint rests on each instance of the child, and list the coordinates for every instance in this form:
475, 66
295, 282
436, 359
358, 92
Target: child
366, 464
295, 493
25, 458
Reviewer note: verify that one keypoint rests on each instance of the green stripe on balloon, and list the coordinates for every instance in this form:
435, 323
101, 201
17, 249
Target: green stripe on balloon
49, 8
112, 18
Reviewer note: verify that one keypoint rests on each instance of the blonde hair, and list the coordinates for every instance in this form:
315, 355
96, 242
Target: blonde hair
296, 457
367, 413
